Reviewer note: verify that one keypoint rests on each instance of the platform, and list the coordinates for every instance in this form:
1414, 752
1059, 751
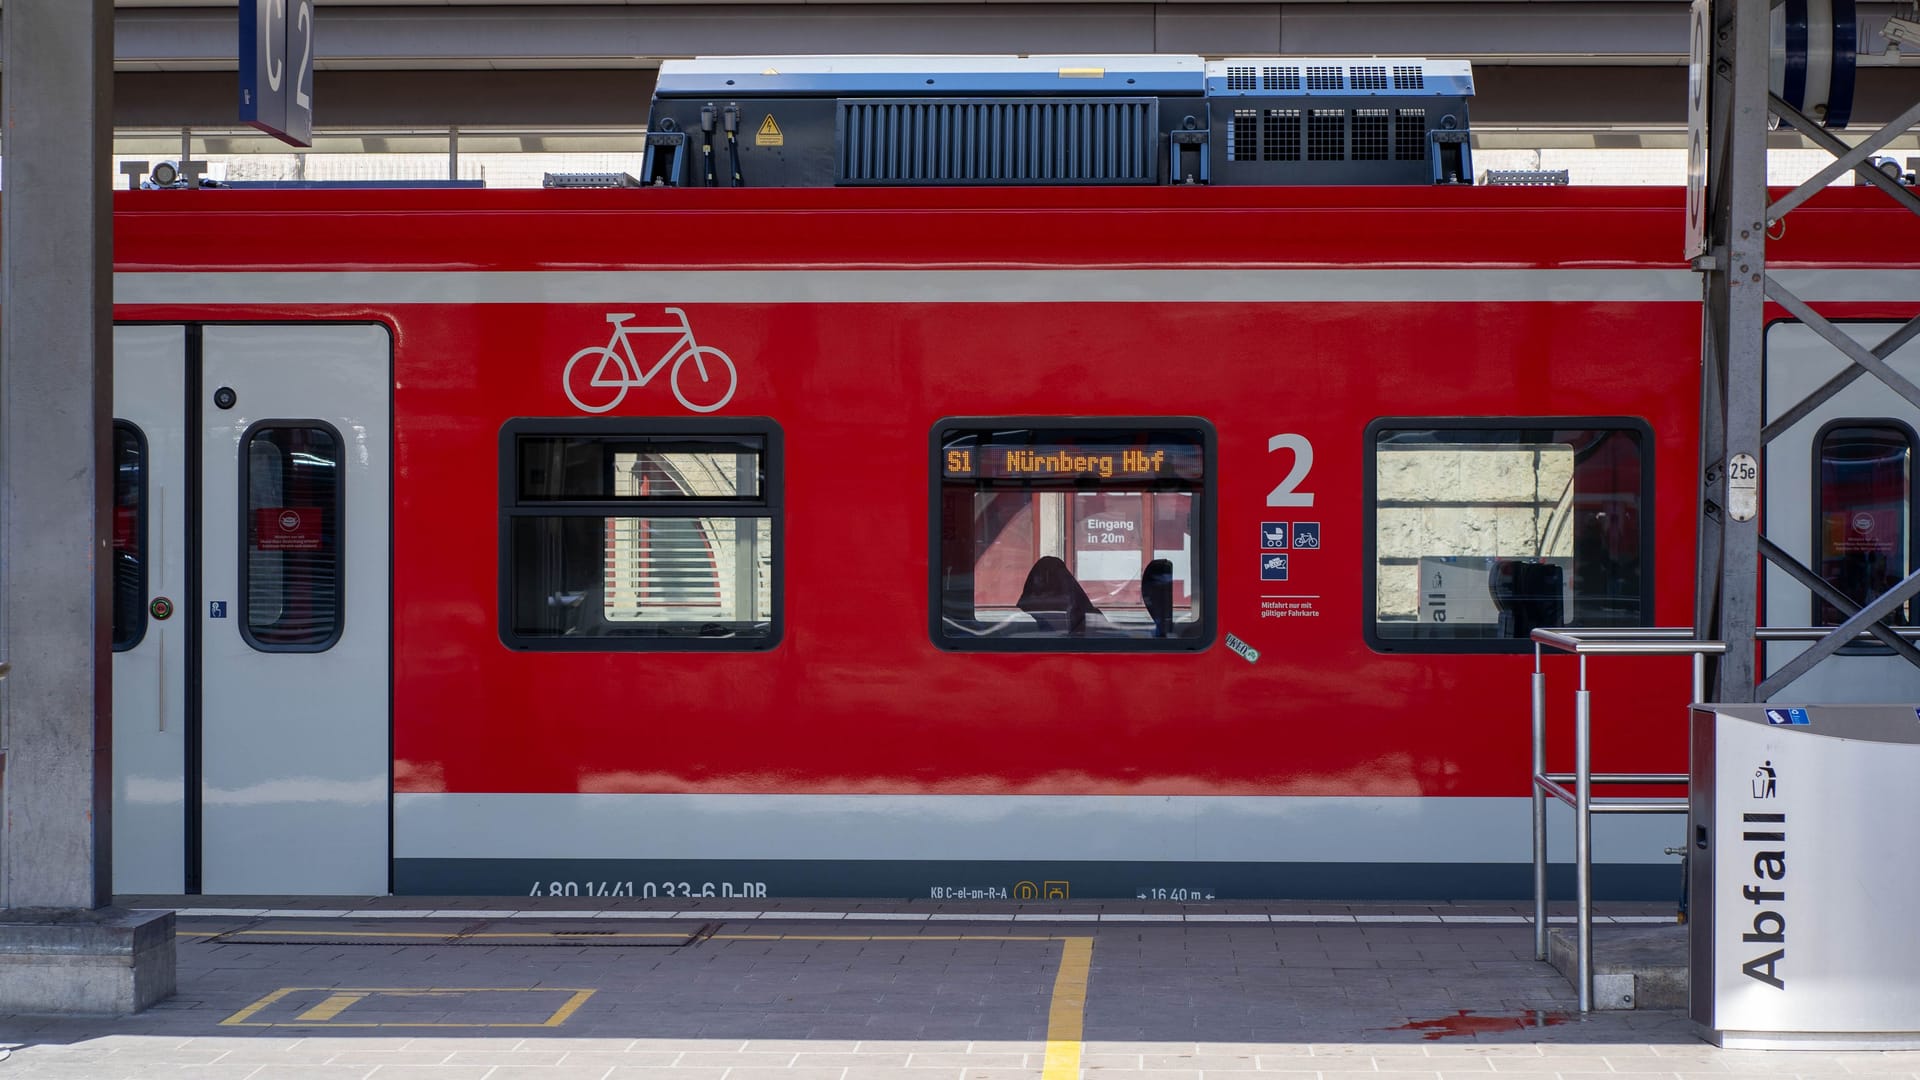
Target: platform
384, 988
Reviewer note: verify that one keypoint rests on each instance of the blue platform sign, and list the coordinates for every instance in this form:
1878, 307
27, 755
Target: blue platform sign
276, 68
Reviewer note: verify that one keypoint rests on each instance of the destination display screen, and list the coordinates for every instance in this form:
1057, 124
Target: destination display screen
1130, 456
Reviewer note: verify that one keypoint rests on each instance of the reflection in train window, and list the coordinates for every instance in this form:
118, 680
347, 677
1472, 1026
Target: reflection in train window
129, 536
1864, 488
1079, 535
290, 568
657, 534
1484, 530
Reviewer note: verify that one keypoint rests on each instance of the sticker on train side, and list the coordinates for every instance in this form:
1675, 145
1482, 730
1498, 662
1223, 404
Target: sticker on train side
1251, 654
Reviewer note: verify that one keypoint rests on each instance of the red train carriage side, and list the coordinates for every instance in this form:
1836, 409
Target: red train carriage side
1167, 543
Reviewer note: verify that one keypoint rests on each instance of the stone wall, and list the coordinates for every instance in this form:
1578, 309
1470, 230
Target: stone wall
1451, 499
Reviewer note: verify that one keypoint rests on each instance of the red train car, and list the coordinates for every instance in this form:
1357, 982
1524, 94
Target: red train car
1165, 542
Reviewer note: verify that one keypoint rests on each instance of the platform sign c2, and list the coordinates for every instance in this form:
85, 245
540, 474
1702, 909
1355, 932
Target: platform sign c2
276, 68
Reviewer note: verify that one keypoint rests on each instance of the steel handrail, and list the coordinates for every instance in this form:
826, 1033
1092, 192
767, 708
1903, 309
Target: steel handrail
1608, 641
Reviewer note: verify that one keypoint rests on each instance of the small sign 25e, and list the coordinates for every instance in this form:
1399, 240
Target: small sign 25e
276, 68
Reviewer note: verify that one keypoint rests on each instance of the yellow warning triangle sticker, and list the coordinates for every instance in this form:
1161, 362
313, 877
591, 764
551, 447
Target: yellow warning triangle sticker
769, 133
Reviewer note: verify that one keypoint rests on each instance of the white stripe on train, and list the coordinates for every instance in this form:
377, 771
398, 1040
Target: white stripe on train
1118, 828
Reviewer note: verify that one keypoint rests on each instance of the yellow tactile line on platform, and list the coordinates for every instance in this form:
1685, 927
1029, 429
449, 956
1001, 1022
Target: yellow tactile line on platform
1066, 1015
1066, 1012
345, 996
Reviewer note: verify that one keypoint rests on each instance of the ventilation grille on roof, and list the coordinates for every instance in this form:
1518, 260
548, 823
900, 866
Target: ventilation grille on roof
1409, 77
1326, 78
1280, 78
1368, 77
1327, 135
1042, 141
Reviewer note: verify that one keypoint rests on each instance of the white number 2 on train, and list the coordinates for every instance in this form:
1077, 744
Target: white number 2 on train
1286, 493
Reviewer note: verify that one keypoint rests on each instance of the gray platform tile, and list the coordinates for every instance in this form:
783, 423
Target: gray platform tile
1560, 1063
1883, 1062
271, 1055
989, 1060
519, 1055
1329, 1051
546, 1072
1341, 1067
625, 913
1447, 1049
1641, 1065
26, 1068
312, 1072
1800, 1077
833, 1060
858, 1072
734, 1059
978, 916
1000, 1074
789, 1073
229, 913
1309, 918
389, 1057
643, 1072
1148, 1074
432, 1073
304, 913
1258, 1074
888, 916
1059, 917
1204, 1061
1141, 917
197, 1072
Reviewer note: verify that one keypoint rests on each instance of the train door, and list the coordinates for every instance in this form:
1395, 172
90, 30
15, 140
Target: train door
285, 619
149, 587
1839, 498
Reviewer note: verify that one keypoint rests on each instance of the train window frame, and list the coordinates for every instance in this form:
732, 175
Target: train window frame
1370, 520
1817, 504
140, 548
245, 549
1205, 541
769, 504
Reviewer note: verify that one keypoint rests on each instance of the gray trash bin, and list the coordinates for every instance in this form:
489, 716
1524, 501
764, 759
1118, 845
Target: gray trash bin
1804, 871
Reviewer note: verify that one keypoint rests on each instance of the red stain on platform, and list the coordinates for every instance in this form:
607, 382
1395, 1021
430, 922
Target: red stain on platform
1466, 1022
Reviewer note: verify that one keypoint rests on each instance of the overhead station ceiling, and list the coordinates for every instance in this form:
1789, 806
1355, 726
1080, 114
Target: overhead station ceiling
1597, 66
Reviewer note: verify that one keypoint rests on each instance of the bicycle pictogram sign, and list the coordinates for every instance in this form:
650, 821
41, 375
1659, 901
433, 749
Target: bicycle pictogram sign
615, 370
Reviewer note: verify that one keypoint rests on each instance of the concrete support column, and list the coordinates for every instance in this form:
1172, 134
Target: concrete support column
61, 947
